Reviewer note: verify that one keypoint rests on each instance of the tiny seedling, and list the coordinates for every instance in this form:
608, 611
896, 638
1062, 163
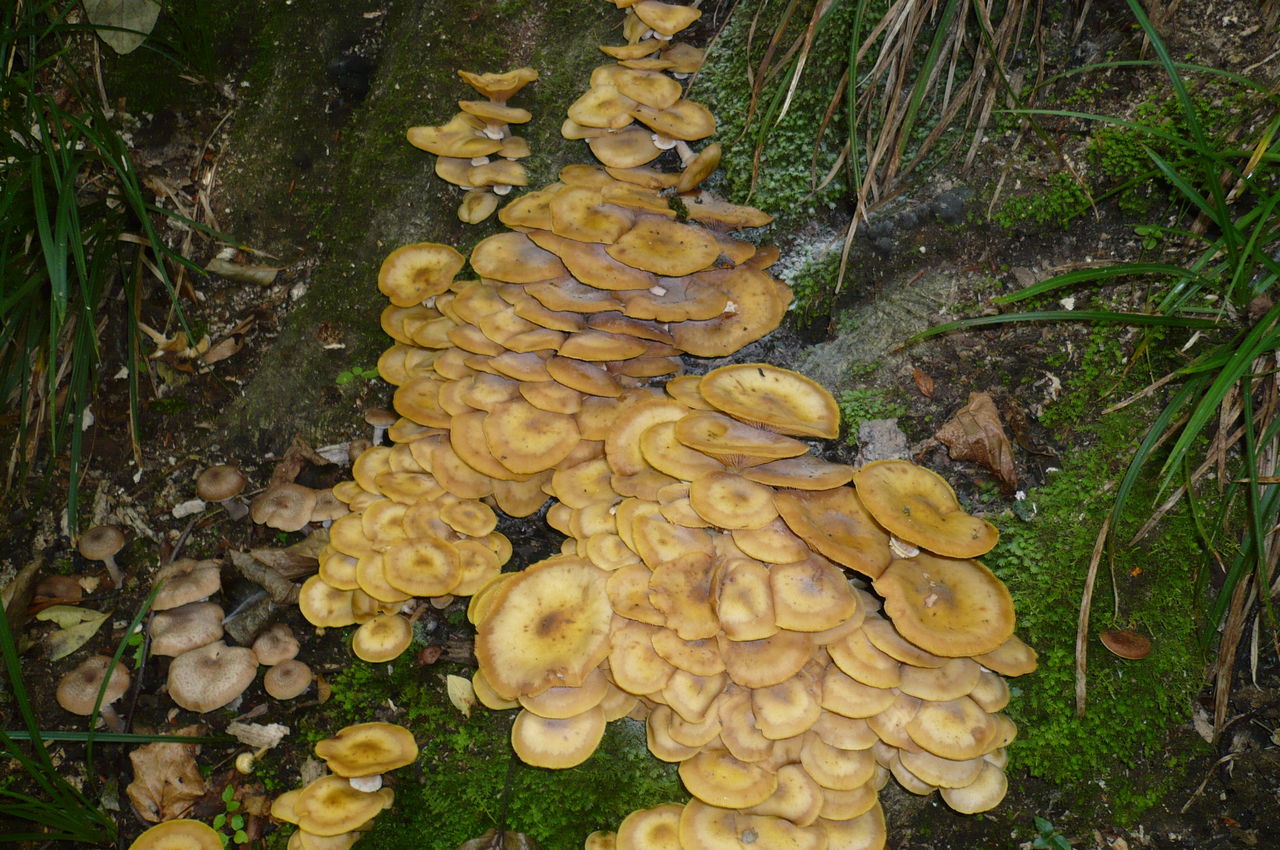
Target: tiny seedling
354, 374
233, 819
1048, 837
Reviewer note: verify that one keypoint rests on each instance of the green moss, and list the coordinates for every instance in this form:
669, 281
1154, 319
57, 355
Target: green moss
1060, 201
1103, 757
813, 286
455, 790
859, 405
783, 174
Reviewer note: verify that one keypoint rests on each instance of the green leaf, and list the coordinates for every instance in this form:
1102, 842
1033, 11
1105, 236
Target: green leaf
123, 24
219, 821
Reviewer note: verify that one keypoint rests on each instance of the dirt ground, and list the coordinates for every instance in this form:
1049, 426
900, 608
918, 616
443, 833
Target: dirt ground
1226, 799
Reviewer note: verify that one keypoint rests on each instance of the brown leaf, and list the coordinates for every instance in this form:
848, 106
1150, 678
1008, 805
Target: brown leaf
976, 434
166, 780
224, 348
924, 383
300, 559
298, 455
281, 590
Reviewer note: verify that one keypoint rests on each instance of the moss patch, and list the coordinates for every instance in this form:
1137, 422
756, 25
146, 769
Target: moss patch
1101, 761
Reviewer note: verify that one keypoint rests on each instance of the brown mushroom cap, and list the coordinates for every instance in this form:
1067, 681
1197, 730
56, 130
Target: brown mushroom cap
212, 676
287, 679
101, 542
178, 835
1126, 643
219, 482
186, 580
287, 507
187, 627
78, 690
499, 87
275, 645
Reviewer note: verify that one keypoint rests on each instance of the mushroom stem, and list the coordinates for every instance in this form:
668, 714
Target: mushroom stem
111, 718
686, 153
235, 508
117, 579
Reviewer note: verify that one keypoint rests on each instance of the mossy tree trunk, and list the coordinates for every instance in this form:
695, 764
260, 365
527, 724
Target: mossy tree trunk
322, 178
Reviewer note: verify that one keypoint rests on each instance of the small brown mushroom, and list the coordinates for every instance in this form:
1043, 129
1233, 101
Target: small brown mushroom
1126, 643
275, 645
212, 676
78, 690
101, 543
287, 679
287, 507
222, 484
185, 628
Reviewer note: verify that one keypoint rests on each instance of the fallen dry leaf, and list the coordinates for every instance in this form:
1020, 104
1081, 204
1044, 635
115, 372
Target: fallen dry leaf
976, 434
166, 780
924, 383
75, 627
300, 559
243, 272
461, 693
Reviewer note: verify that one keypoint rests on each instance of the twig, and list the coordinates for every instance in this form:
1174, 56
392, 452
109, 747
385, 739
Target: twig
1082, 626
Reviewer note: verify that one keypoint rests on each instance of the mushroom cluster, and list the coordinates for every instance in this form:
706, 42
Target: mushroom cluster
505, 380
475, 149
713, 597
336, 809
206, 673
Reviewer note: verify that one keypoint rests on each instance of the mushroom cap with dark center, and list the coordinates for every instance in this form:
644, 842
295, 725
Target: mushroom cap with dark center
275, 645
212, 676
101, 542
186, 580
287, 507
368, 748
78, 690
219, 482
187, 627
287, 679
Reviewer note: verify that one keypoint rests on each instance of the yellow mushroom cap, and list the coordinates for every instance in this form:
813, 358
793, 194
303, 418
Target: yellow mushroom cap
834, 523
719, 779
414, 272
365, 749
651, 829
460, 137
665, 18
557, 742
947, 606
178, 835
1011, 658
330, 806
382, 638
917, 505
665, 247
499, 87
547, 627
779, 399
